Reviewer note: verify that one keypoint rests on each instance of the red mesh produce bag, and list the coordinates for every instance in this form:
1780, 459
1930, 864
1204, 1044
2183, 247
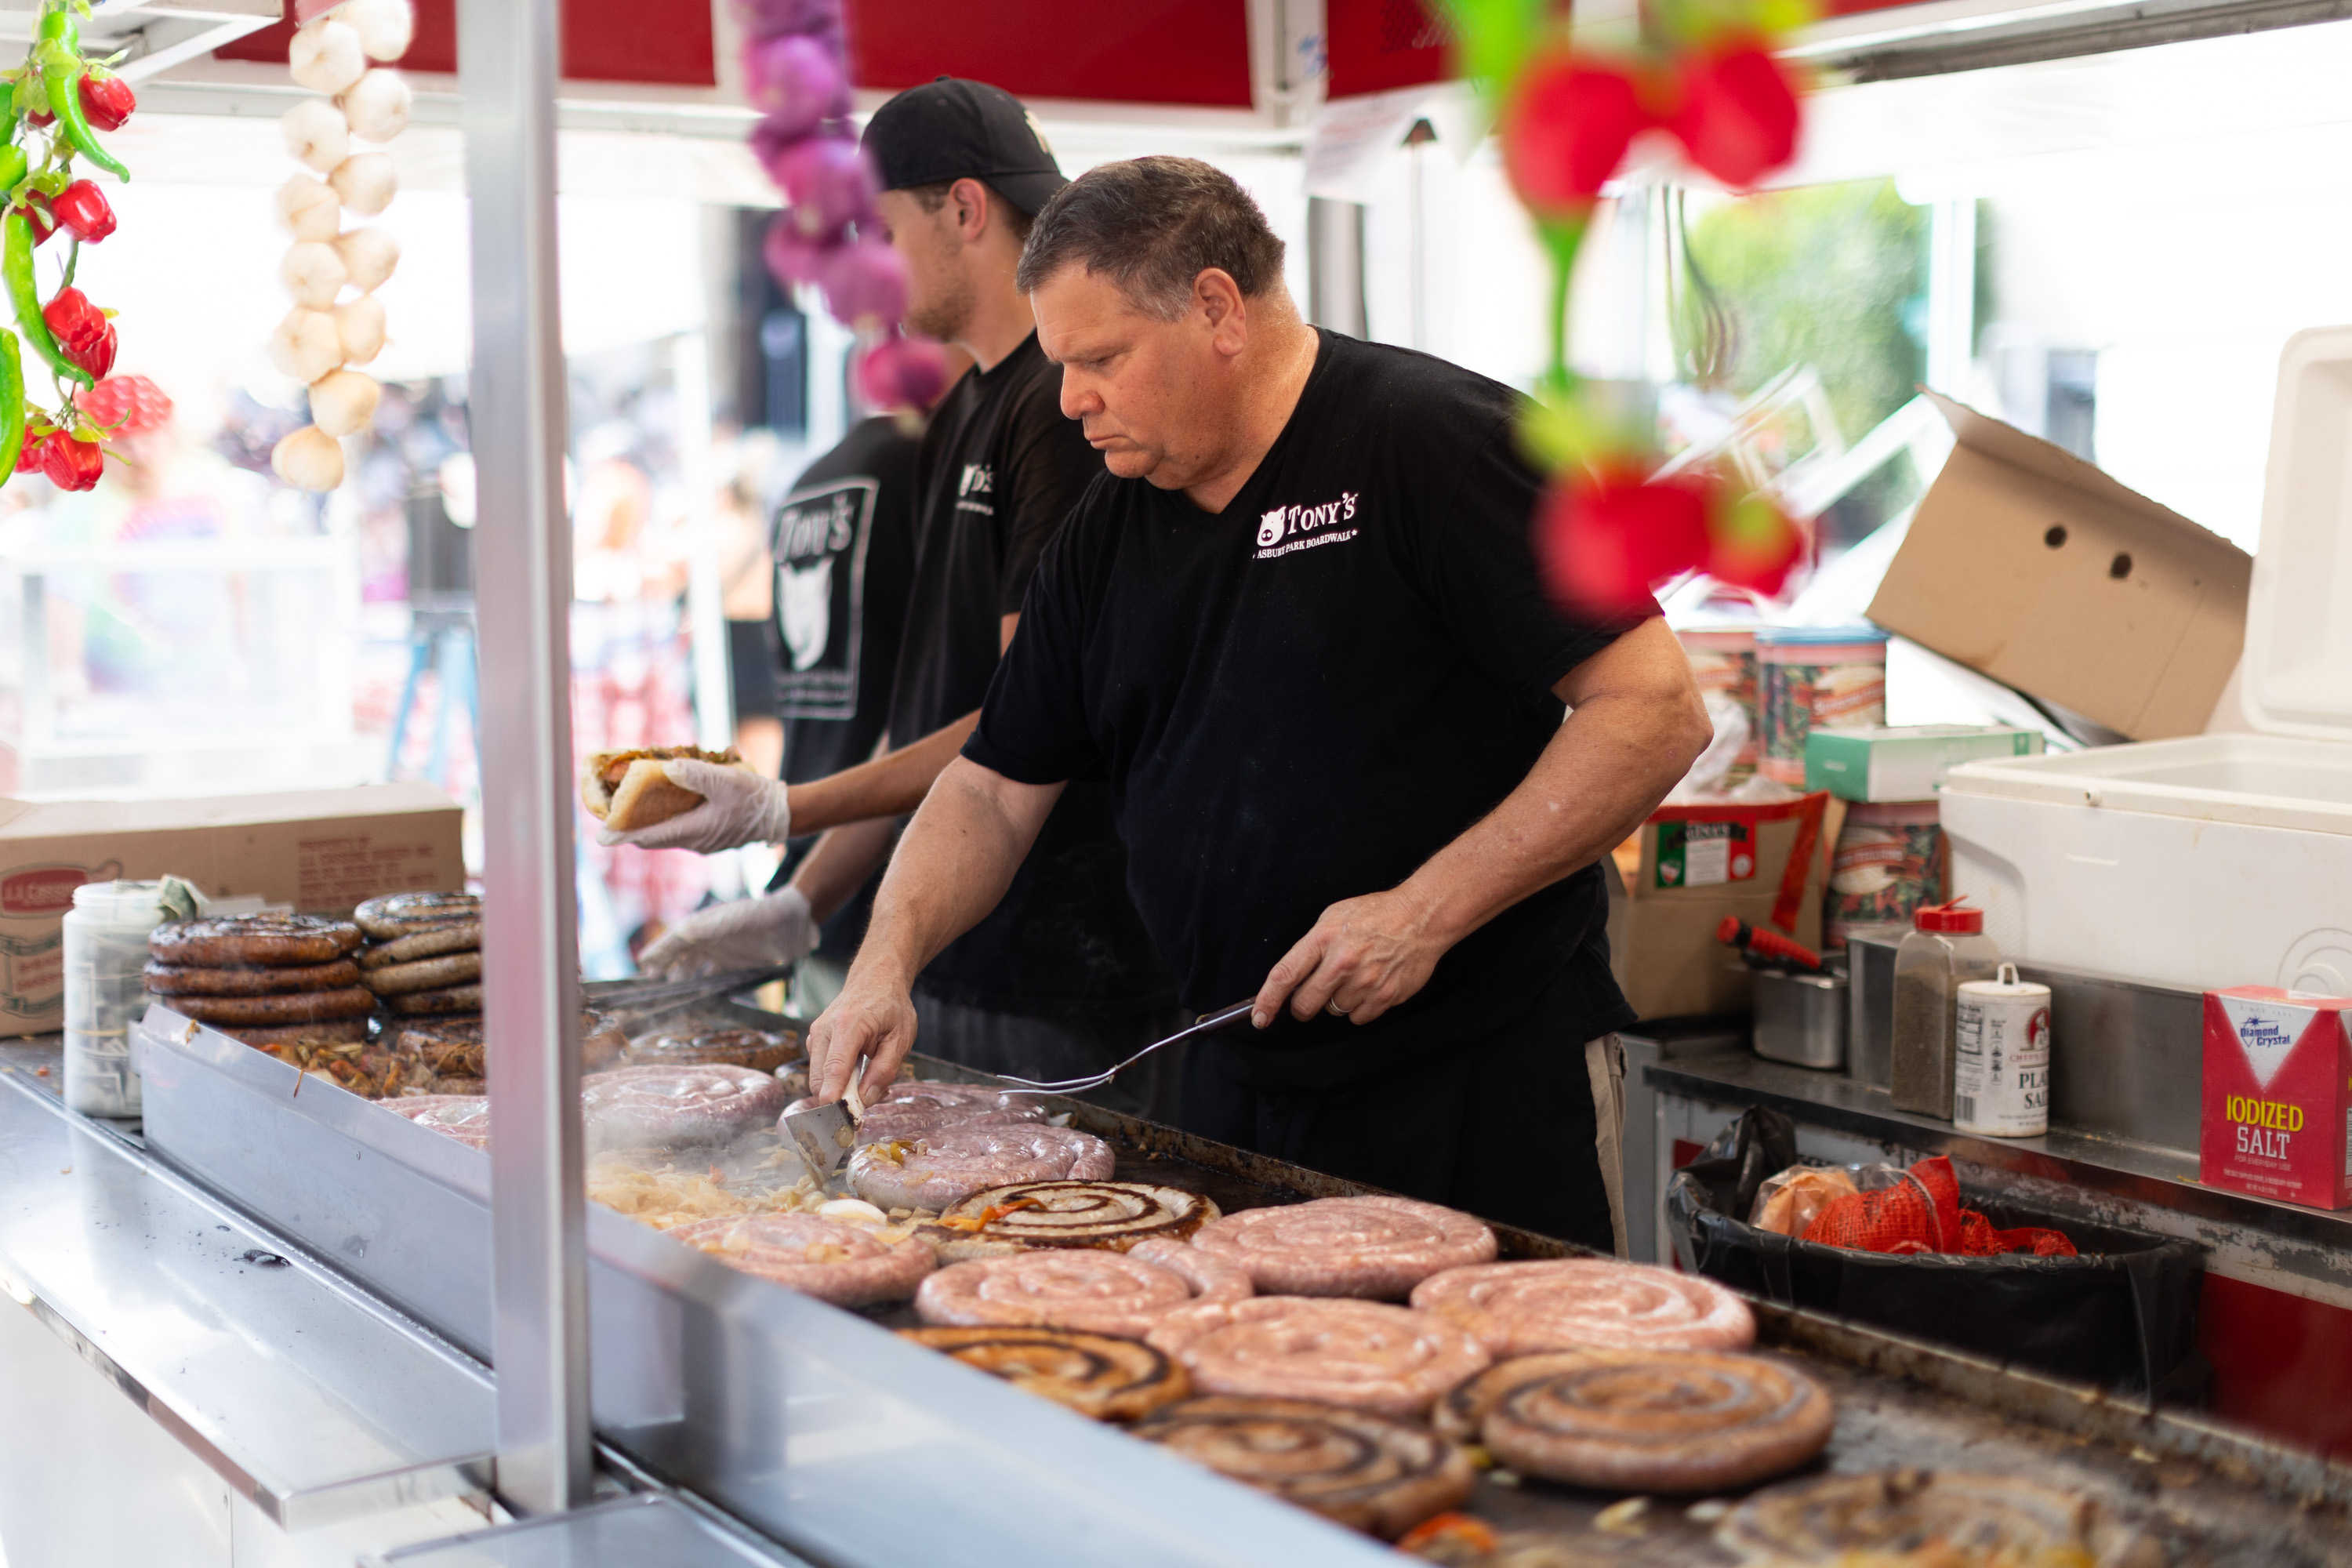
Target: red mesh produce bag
1922, 1212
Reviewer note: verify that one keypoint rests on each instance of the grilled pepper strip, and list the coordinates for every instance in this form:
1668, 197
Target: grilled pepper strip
24, 295
12, 405
61, 73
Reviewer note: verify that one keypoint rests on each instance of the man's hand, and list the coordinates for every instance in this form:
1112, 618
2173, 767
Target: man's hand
1363, 957
748, 933
873, 1018
738, 807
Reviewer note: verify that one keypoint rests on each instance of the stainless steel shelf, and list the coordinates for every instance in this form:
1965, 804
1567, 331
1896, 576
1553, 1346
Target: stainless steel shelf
630, 1534
309, 1399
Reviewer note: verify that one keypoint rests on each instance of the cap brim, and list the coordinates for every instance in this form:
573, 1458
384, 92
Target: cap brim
1028, 192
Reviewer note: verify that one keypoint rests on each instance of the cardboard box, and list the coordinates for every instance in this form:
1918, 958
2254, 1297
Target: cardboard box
2277, 1122
1908, 762
2035, 568
1700, 863
321, 852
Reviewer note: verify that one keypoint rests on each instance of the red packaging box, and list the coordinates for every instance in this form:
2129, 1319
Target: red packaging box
2278, 1096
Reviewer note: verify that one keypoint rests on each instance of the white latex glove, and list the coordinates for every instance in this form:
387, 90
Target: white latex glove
738, 807
748, 933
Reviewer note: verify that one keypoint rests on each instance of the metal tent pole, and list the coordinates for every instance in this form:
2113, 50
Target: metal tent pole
523, 586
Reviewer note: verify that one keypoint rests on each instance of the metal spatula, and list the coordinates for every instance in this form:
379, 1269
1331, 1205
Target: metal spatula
1207, 1024
824, 1134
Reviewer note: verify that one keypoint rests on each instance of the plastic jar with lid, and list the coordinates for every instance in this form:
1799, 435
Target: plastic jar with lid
106, 988
1816, 678
1944, 948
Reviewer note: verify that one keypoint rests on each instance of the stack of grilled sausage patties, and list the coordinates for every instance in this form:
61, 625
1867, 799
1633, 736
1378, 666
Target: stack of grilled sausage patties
266, 979
424, 956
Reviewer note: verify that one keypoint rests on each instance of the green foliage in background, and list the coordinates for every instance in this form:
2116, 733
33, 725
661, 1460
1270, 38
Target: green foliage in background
1832, 276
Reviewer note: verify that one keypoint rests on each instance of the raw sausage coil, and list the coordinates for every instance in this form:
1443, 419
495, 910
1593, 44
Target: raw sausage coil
1363, 1471
1094, 1375
1570, 1303
1379, 1248
934, 1172
1115, 1215
1129, 1293
1366, 1356
847, 1265
1642, 1421
707, 1103
465, 1117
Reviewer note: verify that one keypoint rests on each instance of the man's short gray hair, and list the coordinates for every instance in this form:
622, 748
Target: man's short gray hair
1152, 226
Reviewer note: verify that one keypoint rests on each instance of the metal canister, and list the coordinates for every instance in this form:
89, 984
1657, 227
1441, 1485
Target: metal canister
2000, 1056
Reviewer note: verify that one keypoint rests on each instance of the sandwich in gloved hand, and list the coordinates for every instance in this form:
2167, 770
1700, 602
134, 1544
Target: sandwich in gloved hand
629, 790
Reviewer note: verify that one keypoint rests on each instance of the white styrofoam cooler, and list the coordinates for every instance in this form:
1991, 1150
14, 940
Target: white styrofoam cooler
2221, 860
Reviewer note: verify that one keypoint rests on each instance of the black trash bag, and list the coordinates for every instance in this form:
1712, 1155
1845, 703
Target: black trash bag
2121, 1315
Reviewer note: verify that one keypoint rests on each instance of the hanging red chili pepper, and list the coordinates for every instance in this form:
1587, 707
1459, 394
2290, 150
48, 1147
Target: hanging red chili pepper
83, 334
1737, 114
107, 101
1567, 130
82, 207
1605, 535
72, 464
28, 461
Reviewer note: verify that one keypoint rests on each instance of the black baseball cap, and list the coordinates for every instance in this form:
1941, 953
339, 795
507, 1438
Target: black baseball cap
956, 130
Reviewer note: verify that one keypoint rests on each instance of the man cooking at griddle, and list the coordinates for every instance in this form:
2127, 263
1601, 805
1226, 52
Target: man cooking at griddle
1299, 628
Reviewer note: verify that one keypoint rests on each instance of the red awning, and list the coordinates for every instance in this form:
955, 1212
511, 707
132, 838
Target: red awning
664, 42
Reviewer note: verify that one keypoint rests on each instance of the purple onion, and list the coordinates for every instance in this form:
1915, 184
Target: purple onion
773, 18
865, 284
797, 82
828, 181
792, 256
902, 373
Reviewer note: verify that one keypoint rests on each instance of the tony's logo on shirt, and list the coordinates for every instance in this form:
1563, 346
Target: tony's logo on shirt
977, 481
1282, 530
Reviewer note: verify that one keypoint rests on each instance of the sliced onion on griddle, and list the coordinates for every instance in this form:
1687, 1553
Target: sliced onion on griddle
1975, 1518
1377, 1475
1114, 1214
1107, 1378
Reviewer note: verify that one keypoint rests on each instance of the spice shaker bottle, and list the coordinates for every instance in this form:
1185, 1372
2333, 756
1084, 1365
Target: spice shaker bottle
105, 963
2000, 1043
1944, 948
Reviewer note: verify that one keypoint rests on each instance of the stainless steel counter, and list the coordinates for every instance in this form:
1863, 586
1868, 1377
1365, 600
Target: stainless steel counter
311, 1399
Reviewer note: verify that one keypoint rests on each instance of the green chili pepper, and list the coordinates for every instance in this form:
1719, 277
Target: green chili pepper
62, 71
13, 164
59, 23
12, 405
25, 294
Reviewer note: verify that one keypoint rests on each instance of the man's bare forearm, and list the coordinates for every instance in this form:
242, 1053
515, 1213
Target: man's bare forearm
889, 785
840, 863
952, 865
1627, 742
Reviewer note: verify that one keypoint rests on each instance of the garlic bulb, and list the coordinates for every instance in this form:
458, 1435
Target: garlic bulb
326, 57
314, 273
377, 106
384, 26
365, 183
309, 209
317, 133
369, 256
307, 345
359, 327
309, 459
343, 401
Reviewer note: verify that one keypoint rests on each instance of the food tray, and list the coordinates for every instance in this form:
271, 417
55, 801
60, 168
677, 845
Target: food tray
692, 1380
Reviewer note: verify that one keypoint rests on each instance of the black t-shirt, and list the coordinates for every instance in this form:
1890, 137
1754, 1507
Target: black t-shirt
844, 546
844, 542
999, 470
1301, 699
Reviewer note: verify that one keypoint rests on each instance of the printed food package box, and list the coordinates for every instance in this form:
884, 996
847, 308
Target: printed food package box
1767, 864
2277, 1108
321, 852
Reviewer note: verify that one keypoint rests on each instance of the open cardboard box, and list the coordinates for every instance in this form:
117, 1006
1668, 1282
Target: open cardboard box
1662, 943
2032, 566
321, 852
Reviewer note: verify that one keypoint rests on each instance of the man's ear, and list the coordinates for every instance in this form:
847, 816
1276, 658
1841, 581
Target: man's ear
970, 198
1219, 299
